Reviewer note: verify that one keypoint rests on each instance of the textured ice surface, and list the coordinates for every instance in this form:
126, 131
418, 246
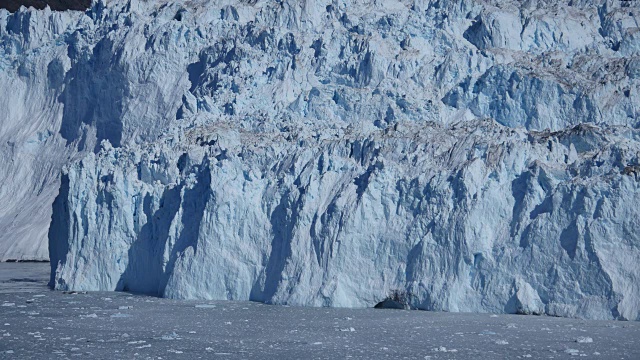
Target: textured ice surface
46, 324
481, 155
474, 217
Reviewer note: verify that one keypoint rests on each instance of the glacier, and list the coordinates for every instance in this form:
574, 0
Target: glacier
482, 156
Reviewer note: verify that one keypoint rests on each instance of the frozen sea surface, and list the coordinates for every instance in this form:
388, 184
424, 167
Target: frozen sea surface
36, 323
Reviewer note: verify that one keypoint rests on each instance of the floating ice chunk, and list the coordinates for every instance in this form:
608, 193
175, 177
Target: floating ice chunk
120, 315
444, 349
350, 329
172, 336
584, 340
572, 352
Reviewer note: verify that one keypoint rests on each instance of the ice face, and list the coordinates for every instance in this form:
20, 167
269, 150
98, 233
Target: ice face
475, 217
481, 156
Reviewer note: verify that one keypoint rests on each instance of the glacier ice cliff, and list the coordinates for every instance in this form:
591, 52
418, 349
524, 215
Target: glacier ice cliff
473, 217
479, 155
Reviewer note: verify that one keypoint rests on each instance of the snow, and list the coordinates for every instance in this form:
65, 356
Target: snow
482, 156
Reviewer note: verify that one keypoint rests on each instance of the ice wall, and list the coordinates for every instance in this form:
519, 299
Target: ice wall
472, 217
